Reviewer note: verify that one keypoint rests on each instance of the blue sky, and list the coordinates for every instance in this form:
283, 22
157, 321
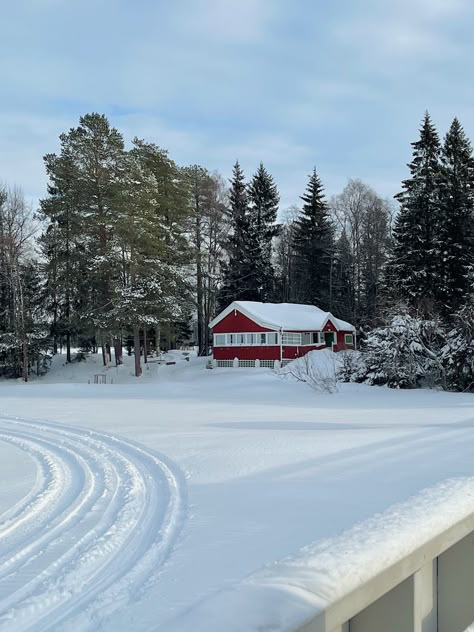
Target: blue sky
339, 85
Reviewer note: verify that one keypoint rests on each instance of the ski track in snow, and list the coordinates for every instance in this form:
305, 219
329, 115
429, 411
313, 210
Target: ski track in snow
92, 533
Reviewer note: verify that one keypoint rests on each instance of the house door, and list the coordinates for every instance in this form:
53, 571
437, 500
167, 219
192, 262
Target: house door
329, 338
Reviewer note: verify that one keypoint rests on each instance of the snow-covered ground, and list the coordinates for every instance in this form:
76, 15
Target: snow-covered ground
216, 474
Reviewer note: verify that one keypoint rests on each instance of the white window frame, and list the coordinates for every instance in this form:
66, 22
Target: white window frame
248, 339
246, 364
291, 339
310, 338
275, 341
306, 338
346, 336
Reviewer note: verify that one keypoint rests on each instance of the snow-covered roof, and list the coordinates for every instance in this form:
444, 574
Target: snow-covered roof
287, 316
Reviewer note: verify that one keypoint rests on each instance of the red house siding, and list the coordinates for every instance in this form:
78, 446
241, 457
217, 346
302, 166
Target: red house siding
341, 343
238, 323
247, 353
289, 353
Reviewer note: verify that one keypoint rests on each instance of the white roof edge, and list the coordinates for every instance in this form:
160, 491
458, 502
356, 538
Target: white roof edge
338, 323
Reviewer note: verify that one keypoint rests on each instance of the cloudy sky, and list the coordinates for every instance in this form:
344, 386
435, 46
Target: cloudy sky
340, 85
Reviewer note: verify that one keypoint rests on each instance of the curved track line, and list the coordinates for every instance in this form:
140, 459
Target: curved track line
96, 527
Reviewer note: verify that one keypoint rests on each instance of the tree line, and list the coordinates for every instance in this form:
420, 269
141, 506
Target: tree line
427, 335
127, 248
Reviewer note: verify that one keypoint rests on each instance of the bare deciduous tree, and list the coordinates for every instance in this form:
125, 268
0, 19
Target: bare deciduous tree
17, 228
364, 218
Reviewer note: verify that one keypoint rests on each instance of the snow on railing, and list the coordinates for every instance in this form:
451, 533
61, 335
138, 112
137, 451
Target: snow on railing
409, 569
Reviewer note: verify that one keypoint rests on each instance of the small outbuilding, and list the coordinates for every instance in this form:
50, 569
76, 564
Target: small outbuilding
249, 333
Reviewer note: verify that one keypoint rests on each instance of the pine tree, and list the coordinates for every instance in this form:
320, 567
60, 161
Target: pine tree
414, 263
455, 232
313, 244
240, 274
263, 209
96, 150
63, 246
150, 235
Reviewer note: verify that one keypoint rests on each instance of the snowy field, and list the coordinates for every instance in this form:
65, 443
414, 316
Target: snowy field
188, 480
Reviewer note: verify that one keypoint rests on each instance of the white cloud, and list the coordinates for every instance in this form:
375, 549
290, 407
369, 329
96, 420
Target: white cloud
216, 80
402, 31
232, 21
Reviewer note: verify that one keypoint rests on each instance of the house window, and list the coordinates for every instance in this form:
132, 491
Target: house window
316, 337
272, 339
310, 338
349, 339
241, 340
305, 339
292, 339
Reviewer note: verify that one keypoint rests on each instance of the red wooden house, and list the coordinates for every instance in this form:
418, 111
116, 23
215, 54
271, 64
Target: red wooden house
248, 333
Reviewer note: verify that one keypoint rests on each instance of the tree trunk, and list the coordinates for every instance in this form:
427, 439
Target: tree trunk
118, 351
158, 339
200, 293
55, 328
68, 346
136, 345
25, 360
145, 343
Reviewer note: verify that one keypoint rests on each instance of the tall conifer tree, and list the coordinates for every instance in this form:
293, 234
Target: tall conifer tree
414, 262
455, 232
263, 205
239, 271
313, 243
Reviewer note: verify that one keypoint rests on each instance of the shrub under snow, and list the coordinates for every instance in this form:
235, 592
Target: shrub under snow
403, 354
458, 353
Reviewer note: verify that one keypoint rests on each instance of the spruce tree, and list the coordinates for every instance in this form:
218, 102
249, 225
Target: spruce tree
413, 269
313, 244
263, 208
240, 274
455, 231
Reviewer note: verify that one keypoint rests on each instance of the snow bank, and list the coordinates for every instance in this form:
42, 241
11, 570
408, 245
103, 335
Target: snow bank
287, 594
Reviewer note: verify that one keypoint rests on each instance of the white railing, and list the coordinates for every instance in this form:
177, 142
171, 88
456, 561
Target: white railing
430, 590
410, 569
